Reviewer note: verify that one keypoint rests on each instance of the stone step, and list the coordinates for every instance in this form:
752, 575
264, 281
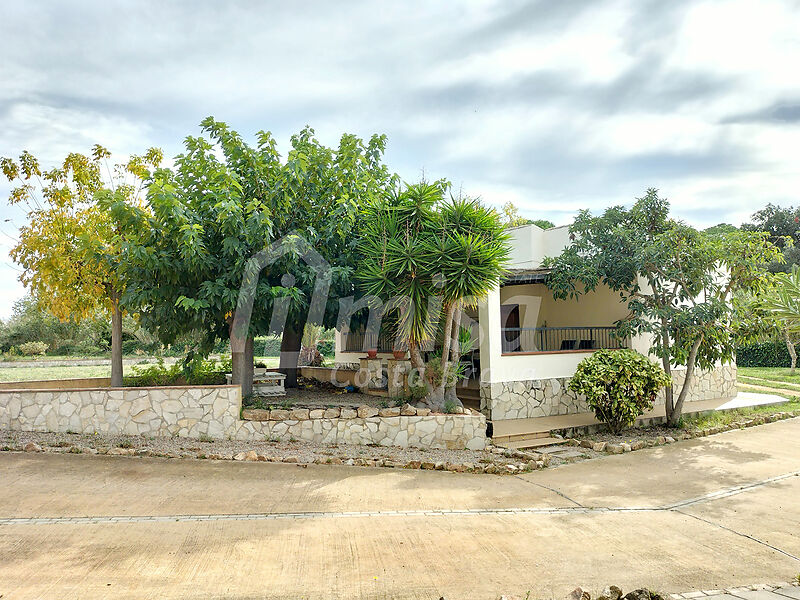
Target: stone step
521, 436
376, 392
530, 443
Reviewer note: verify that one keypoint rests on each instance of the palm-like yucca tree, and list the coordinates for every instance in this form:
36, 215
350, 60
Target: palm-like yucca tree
428, 257
783, 301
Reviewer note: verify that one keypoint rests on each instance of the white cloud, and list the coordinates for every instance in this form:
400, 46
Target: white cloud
554, 106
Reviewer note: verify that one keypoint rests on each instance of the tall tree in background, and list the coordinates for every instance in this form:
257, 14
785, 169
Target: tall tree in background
427, 257
511, 218
782, 301
676, 281
70, 249
783, 227
224, 202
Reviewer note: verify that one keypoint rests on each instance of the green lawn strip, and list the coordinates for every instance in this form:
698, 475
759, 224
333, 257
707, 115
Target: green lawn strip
768, 383
43, 373
771, 373
728, 417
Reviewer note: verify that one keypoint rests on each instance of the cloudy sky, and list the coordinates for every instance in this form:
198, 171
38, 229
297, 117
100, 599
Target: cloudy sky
555, 106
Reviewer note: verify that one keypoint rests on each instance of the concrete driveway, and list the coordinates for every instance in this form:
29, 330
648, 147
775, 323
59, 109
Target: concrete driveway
709, 513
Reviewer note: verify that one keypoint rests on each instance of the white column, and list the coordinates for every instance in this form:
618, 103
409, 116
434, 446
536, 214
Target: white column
490, 334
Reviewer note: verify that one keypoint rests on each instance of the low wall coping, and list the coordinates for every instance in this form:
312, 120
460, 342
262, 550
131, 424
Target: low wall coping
109, 389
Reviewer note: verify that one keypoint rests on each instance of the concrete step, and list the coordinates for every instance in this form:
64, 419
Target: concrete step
381, 393
520, 436
530, 443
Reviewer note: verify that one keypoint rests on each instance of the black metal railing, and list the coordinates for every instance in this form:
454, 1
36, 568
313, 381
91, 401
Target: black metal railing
353, 341
361, 342
554, 339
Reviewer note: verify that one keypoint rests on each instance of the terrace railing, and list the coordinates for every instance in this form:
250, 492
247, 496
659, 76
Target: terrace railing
560, 339
361, 342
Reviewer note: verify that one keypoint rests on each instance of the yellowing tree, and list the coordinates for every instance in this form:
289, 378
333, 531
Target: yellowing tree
69, 249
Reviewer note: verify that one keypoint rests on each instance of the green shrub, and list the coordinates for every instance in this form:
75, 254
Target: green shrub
326, 347
619, 385
156, 375
33, 348
267, 346
763, 354
198, 371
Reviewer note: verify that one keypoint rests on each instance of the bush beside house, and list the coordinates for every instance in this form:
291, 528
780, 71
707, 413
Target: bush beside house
619, 385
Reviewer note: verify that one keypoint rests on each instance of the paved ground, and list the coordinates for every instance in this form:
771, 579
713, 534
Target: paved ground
710, 513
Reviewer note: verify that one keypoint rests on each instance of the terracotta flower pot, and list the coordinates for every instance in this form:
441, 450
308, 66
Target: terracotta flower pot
372, 353
399, 354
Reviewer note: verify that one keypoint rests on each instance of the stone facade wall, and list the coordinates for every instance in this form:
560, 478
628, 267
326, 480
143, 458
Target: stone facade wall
214, 411
166, 411
346, 426
551, 397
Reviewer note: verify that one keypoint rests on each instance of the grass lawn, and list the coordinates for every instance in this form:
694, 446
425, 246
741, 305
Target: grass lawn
75, 372
771, 377
770, 373
41, 373
718, 418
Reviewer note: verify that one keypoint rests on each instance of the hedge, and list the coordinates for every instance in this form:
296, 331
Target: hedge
764, 354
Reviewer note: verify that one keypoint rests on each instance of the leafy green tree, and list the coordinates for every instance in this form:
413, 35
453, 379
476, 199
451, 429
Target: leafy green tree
69, 249
511, 218
720, 229
224, 203
543, 223
676, 281
783, 227
782, 301
426, 257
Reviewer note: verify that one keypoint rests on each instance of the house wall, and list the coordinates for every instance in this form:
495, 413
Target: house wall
530, 244
550, 396
600, 308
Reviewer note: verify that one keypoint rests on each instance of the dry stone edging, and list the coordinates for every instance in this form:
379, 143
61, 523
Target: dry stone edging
612, 448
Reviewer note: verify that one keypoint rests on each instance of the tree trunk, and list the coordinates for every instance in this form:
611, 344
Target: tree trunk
247, 368
290, 353
665, 361
674, 419
242, 366
790, 348
435, 397
450, 394
116, 341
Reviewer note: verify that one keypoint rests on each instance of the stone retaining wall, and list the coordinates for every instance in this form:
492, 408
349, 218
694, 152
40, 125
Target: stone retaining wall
164, 411
214, 411
551, 397
387, 427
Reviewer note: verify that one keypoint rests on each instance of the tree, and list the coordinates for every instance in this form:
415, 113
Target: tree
426, 257
720, 229
69, 249
223, 204
782, 301
783, 227
543, 223
676, 281
511, 218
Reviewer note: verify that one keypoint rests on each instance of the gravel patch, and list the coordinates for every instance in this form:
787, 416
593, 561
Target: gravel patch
493, 460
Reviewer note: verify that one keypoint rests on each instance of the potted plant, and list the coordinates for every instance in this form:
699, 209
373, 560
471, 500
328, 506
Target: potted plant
372, 353
398, 352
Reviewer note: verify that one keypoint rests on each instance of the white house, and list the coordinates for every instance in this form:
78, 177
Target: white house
529, 344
